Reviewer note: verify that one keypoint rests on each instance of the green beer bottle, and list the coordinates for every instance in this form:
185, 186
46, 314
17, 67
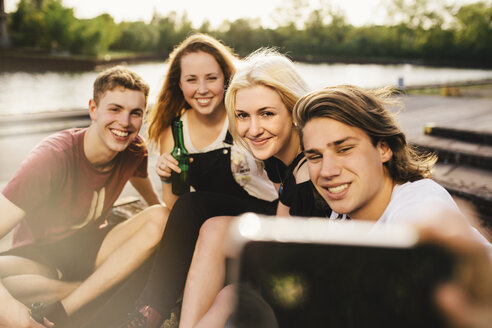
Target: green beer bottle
180, 181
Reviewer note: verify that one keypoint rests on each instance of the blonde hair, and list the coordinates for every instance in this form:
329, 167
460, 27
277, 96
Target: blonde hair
366, 110
170, 101
268, 68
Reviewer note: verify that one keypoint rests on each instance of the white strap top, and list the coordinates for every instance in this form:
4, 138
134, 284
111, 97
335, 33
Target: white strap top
218, 142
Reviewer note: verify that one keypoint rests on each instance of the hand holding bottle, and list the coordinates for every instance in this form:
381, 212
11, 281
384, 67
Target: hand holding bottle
166, 163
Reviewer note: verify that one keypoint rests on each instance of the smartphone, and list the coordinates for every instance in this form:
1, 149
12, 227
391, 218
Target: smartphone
295, 272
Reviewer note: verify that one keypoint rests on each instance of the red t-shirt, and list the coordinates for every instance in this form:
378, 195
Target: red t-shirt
61, 192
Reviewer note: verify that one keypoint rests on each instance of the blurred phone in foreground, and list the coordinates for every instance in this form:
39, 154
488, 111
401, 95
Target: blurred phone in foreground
318, 273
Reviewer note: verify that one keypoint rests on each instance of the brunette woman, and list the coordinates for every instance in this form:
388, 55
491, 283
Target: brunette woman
259, 102
226, 177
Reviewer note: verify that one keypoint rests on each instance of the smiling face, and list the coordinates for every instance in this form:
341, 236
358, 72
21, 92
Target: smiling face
202, 82
265, 124
116, 121
347, 169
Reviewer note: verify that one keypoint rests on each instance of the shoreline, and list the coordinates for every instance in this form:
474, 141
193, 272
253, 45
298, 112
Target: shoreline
480, 88
394, 61
31, 61
12, 60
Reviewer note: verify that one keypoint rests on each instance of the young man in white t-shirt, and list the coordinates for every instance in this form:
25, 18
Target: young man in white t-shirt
360, 163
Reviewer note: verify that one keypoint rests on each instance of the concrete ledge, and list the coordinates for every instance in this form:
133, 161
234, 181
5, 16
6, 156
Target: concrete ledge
15, 125
470, 183
456, 152
481, 137
70, 114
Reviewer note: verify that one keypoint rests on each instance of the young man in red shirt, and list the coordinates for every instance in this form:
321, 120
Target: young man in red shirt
64, 254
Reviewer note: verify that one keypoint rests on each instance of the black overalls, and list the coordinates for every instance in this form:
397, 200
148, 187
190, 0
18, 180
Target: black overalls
217, 194
211, 172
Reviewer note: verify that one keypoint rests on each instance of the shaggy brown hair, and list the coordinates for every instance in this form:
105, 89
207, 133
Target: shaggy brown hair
367, 111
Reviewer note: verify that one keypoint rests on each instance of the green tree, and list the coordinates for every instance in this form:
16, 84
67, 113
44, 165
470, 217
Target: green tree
240, 35
474, 31
171, 30
136, 36
416, 29
205, 27
4, 36
184, 27
315, 33
27, 25
415, 14
59, 22
43, 24
94, 36
166, 31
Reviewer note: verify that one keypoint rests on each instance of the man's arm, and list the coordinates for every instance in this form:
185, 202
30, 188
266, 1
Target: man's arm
467, 299
145, 188
12, 312
10, 215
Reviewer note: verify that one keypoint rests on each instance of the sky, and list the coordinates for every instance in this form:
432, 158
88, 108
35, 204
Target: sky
357, 12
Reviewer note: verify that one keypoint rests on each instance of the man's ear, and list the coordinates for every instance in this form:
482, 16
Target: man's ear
385, 151
92, 109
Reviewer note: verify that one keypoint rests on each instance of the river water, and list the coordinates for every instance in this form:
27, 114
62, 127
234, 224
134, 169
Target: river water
22, 92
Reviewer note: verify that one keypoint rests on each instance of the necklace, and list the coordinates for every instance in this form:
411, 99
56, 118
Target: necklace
282, 180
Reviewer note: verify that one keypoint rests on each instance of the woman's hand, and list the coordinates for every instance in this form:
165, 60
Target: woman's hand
165, 165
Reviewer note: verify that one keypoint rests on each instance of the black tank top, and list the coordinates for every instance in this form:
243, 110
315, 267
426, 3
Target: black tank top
302, 198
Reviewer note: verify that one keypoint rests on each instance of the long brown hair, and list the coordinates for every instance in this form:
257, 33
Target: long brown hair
171, 102
366, 110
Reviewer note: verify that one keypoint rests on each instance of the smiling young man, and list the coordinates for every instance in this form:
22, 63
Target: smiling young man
362, 166
359, 160
64, 254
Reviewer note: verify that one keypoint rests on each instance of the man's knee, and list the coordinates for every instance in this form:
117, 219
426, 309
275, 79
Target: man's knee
155, 221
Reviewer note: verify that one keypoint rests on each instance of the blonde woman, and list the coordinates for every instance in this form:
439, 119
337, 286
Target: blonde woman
259, 103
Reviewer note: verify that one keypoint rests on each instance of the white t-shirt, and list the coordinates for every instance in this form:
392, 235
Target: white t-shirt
413, 201
245, 170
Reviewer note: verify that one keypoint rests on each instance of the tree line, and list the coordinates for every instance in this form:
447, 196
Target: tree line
416, 30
